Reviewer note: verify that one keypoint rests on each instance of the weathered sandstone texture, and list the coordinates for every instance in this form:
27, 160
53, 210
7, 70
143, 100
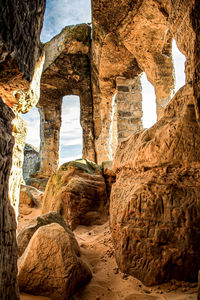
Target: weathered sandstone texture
128, 37
129, 107
31, 161
30, 196
28, 231
78, 192
8, 246
66, 72
16, 177
21, 59
155, 202
49, 265
21, 62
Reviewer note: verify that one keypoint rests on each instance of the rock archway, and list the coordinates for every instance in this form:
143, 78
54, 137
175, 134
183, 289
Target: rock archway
128, 38
66, 72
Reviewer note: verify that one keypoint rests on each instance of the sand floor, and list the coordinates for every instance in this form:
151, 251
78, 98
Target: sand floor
108, 283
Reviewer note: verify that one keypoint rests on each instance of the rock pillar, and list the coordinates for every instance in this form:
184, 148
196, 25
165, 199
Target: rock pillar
16, 177
50, 116
86, 120
8, 245
129, 107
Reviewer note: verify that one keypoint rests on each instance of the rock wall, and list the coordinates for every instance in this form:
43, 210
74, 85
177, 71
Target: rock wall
21, 63
129, 107
155, 204
16, 177
21, 52
8, 245
66, 72
128, 38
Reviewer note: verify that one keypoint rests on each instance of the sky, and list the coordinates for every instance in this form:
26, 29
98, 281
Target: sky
58, 14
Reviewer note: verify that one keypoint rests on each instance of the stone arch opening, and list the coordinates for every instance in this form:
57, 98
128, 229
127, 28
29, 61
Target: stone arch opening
32, 119
71, 133
148, 102
31, 151
179, 60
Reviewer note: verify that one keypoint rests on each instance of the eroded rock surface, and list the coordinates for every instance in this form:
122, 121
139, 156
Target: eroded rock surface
128, 37
27, 232
20, 52
66, 72
16, 177
8, 246
78, 192
49, 265
155, 203
30, 196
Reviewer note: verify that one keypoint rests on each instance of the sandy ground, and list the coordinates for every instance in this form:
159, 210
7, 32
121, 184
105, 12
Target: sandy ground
108, 283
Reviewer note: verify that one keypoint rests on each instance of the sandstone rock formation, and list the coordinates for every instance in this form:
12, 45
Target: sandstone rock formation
21, 62
128, 37
21, 50
30, 196
31, 161
27, 232
66, 72
155, 204
8, 246
16, 177
78, 192
49, 265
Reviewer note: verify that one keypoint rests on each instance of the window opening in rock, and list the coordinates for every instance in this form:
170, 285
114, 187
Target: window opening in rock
32, 119
113, 129
71, 132
61, 13
148, 102
179, 66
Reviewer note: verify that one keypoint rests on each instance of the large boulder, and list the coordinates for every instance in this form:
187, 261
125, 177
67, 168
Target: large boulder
49, 265
155, 202
28, 231
78, 192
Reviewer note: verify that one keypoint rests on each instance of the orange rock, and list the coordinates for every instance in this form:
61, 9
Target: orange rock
49, 265
78, 192
155, 202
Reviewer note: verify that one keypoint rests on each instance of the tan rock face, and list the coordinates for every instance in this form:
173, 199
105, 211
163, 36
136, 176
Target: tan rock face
66, 72
30, 196
49, 265
155, 204
28, 231
138, 39
78, 192
8, 246
20, 53
16, 178
20, 69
